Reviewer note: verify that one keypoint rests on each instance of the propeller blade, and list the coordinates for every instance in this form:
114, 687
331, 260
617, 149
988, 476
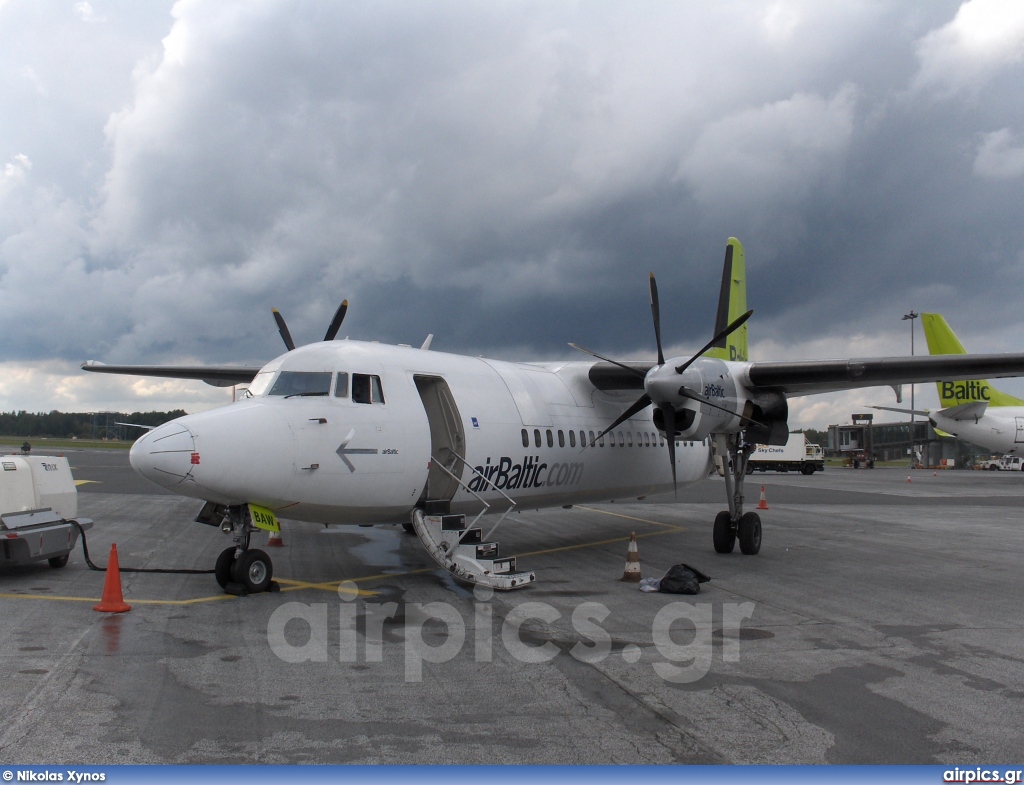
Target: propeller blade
339, 317
642, 403
740, 320
668, 412
585, 350
283, 329
656, 313
701, 399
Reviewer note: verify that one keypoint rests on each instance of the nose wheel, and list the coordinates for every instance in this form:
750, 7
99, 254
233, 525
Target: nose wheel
242, 570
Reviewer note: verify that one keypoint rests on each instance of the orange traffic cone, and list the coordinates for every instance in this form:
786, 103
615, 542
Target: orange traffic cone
112, 600
763, 504
632, 572
274, 540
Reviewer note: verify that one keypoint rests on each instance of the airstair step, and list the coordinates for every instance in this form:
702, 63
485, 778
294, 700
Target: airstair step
453, 523
474, 536
486, 550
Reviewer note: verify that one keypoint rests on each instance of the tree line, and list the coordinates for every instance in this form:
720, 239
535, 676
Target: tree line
81, 425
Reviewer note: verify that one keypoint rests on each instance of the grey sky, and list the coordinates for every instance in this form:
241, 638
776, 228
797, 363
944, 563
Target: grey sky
502, 175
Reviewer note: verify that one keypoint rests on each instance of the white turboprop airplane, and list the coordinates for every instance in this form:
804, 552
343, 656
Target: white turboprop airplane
350, 432
972, 410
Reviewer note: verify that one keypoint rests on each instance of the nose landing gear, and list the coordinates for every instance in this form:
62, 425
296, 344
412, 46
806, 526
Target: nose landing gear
239, 570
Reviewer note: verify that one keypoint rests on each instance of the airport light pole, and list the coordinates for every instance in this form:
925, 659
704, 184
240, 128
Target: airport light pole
911, 317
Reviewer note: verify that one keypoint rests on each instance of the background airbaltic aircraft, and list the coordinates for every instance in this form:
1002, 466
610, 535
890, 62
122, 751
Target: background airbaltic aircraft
348, 432
973, 410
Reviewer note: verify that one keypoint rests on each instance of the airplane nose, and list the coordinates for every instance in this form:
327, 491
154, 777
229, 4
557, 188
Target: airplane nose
165, 454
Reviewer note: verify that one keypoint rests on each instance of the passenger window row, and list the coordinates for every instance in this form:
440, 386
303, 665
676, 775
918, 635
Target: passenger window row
588, 438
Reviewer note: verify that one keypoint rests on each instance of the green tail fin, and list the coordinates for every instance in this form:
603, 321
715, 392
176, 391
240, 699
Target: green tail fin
942, 340
732, 304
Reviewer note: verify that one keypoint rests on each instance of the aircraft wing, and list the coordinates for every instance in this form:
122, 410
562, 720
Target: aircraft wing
808, 377
215, 375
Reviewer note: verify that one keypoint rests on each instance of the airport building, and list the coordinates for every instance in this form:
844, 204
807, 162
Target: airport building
891, 441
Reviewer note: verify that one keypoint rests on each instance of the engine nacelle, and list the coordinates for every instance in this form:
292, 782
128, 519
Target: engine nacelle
770, 414
713, 381
730, 407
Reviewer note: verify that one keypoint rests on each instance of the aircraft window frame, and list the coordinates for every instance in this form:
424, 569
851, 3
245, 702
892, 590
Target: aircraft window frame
561, 438
526, 438
301, 384
591, 435
629, 438
647, 439
550, 439
583, 438
572, 438
600, 442
374, 391
341, 384
536, 436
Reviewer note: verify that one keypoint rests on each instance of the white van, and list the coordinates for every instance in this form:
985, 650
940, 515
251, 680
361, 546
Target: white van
1011, 463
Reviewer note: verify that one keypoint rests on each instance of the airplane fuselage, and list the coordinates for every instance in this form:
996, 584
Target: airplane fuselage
349, 432
1000, 429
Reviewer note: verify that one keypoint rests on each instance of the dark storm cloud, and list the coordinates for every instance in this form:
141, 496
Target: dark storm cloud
504, 175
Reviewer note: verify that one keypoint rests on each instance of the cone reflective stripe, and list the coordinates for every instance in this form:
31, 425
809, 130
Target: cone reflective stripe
112, 600
632, 571
763, 504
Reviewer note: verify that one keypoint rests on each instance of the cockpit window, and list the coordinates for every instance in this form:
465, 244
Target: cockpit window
302, 383
341, 387
259, 385
366, 389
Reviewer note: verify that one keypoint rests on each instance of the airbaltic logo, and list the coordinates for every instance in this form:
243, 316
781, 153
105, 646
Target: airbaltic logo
530, 473
965, 391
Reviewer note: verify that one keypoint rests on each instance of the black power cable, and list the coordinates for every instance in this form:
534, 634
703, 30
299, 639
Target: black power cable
85, 552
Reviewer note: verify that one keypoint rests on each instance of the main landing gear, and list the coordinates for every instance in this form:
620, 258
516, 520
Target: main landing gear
733, 524
240, 570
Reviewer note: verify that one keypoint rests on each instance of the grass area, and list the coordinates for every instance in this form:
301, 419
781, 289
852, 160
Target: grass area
45, 444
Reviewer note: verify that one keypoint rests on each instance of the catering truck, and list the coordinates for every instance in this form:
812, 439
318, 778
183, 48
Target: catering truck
38, 510
796, 455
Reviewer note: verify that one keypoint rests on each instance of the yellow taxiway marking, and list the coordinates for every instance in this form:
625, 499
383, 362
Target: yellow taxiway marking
333, 586
631, 518
129, 600
86, 482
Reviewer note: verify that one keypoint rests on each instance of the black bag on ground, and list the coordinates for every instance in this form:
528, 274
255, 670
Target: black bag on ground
682, 579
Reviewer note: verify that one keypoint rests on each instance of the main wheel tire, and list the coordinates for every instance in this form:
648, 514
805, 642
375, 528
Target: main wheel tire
724, 536
59, 561
750, 533
254, 570
222, 569
409, 528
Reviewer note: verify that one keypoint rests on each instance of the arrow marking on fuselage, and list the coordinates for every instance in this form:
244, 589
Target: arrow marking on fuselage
343, 451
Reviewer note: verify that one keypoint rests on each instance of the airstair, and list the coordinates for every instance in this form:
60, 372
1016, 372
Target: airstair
461, 547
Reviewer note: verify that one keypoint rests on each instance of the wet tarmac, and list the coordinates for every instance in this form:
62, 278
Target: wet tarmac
880, 623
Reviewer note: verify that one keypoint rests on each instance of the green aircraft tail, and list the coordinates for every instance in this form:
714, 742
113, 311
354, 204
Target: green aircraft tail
942, 340
732, 304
